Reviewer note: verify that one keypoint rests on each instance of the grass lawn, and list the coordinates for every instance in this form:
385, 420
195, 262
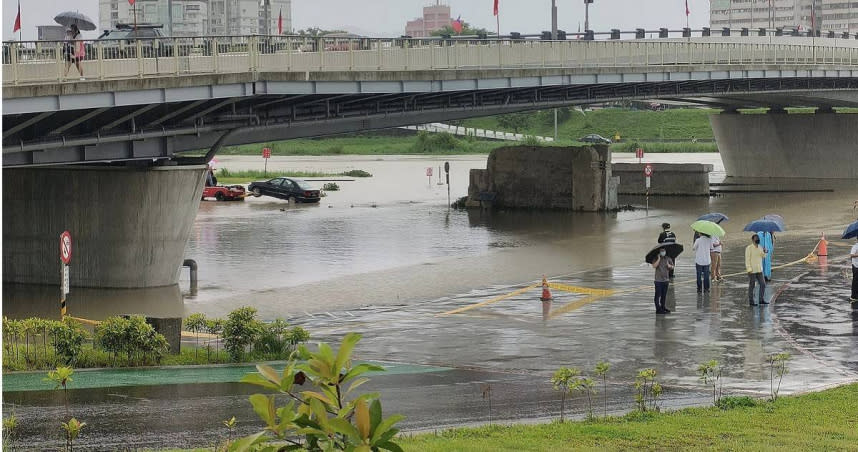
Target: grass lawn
226, 176
826, 420
361, 145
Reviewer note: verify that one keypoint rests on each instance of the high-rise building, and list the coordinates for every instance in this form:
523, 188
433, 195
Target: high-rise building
825, 15
200, 17
435, 17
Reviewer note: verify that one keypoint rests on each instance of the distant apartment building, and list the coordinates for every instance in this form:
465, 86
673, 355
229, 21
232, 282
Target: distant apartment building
50, 32
435, 17
826, 15
200, 17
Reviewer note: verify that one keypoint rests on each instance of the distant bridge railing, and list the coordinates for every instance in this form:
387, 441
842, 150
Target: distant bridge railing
45, 62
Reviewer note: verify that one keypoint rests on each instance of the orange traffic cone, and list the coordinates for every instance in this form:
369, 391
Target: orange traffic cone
546, 294
823, 247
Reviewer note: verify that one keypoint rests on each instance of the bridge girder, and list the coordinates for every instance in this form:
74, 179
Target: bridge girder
165, 130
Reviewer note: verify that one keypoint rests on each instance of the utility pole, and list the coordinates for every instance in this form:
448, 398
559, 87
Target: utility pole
554, 20
587, 15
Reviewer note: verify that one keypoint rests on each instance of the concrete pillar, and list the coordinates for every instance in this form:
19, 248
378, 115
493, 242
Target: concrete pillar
819, 146
129, 226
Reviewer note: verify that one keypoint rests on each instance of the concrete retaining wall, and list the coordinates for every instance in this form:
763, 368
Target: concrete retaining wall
545, 177
683, 179
129, 226
819, 146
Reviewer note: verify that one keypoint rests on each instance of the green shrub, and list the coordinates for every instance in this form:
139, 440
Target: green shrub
239, 331
331, 186
731, 402
133, 337
356, 173
67, 338
438, 142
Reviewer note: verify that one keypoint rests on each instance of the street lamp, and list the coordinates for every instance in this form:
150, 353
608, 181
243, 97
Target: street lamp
587, 14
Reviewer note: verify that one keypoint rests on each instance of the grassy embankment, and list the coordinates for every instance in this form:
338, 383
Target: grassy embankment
226, 176
677, 124
819, 421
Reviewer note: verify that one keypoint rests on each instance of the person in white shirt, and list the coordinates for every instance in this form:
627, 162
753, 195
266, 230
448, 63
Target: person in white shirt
715, 253
853, 253
702, 261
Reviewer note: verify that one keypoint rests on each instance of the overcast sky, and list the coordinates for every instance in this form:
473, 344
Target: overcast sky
388, 17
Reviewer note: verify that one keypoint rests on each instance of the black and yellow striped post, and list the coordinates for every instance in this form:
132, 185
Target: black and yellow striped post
63, 270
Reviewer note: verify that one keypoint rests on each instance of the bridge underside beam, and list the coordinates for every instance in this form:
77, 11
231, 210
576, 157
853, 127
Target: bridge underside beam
819, 146
274, 116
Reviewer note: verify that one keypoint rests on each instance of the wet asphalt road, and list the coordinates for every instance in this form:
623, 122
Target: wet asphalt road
511, 346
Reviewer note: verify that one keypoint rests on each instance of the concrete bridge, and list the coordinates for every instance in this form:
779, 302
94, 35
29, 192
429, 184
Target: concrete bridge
151, 104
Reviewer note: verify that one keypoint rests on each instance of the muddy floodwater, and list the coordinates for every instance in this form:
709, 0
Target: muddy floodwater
445, 297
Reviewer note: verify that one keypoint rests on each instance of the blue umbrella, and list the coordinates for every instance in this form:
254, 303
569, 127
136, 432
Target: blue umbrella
764, 226
851, 231
776, 218
715, 217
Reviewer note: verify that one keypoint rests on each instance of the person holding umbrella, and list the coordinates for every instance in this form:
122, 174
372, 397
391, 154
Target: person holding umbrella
667, 236
662, 260
74, 50
852, 232
702, 245
754, 255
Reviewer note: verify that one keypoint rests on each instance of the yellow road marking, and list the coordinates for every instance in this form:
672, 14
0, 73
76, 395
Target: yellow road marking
574, 305
488, 302
584, 290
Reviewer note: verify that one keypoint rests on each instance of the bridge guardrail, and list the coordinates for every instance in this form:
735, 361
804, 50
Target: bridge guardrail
42, 62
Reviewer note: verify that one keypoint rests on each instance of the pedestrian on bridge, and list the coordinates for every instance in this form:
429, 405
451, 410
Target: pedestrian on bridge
73, 50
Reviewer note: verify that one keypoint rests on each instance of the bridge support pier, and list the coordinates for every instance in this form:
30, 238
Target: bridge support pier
817, 146
129, 225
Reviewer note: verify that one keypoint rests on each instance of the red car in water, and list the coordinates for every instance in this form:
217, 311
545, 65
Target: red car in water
225, 193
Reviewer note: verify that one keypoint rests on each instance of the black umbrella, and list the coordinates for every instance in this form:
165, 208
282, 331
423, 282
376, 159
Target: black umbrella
851, 231
68, 18
673, 250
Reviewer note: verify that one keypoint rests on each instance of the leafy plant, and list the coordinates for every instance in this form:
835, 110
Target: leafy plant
515, 121
777, 368
61, 378
601, 371
710, 374
356, 173
72, 428
239, 331
331, 186
324, 418
648, 390
131, 336
230, 426
565, 380
10, 426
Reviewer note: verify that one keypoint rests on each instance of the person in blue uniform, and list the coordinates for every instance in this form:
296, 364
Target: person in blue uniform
767, 241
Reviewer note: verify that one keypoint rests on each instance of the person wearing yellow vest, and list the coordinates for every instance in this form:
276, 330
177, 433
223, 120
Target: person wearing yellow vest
754, 255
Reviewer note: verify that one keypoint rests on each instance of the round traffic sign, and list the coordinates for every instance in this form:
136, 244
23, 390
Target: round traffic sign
648, 170
65, 247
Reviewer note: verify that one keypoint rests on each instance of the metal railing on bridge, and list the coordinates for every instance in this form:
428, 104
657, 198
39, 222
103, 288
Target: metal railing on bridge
44, 62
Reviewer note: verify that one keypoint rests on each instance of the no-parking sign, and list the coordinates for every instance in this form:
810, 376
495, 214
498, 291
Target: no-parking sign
65, 247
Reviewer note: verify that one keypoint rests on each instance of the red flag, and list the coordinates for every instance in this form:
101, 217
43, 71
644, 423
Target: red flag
130, 2
280, 22
457, 25
17, 25
496, 8
687, 11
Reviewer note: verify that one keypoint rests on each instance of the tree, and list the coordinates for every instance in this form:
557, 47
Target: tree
778, 368
516, 122
239, 331
196, 323
601, 371
467, 30
710, 373
316, 32
565, 380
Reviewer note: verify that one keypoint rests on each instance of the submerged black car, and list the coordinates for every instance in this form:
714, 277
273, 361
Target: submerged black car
295, 190
593, 138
